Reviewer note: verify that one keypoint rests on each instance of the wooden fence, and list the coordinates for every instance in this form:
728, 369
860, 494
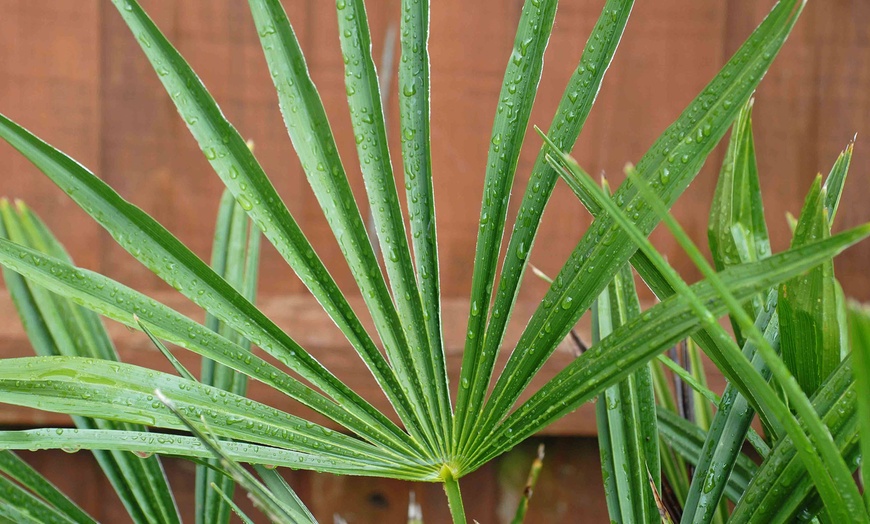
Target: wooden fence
71, 72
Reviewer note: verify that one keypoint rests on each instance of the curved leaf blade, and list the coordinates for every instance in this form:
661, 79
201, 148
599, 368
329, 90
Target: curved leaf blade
121, 303
657, 329
308, 126
369, 125
171, 260
574, 108
414, 118
122, 392
781, 488
141, 442
518, 91
29, 478
670, 165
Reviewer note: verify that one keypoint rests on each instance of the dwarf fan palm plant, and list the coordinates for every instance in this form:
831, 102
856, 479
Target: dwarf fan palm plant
445, 432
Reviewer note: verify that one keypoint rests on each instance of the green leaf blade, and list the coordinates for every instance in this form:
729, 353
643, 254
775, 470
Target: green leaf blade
27, 477
859, 332
571, 114
307, 124
141, 484
627, 428
120, 303
520, 85
168, 258
414, 118
781, 488
670, 164
368, 120
122, 392
656, 330
808, 305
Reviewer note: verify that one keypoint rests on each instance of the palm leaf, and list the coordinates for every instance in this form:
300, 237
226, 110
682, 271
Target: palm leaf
518, 90
638, 341
688, 440
627, 432
121, 303
571, 114
826, 469
808, 303
263, 498
171, 260
672, 162
148, 443
369, 124
781, 489
312, 138
58, 326
235, 256
859, 331
89, 387
232, 160
414, 117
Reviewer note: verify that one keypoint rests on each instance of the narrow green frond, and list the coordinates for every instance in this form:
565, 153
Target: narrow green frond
179, 368
528, 490
239, 170
836, 180
518, 90
281, 490
141, 484
17, 501
235, 256
737, 230
369, 125
859, 334
671, 163
826, 469
815, 445
729, 429
232, 505
627, 428
307, 124
690, 379
29, 478
121, 392
264, 499
170, 444
808, 312
414, 118
655, 331
571, 114
120, 303
781, 489
687, 439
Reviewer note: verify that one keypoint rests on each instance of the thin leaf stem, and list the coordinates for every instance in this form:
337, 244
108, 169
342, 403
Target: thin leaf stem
454, 497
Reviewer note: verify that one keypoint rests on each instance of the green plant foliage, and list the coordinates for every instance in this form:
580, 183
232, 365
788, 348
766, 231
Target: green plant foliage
57, 326
625, 412
808, 400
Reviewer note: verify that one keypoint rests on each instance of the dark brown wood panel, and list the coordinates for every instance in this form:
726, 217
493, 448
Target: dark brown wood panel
50, 74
